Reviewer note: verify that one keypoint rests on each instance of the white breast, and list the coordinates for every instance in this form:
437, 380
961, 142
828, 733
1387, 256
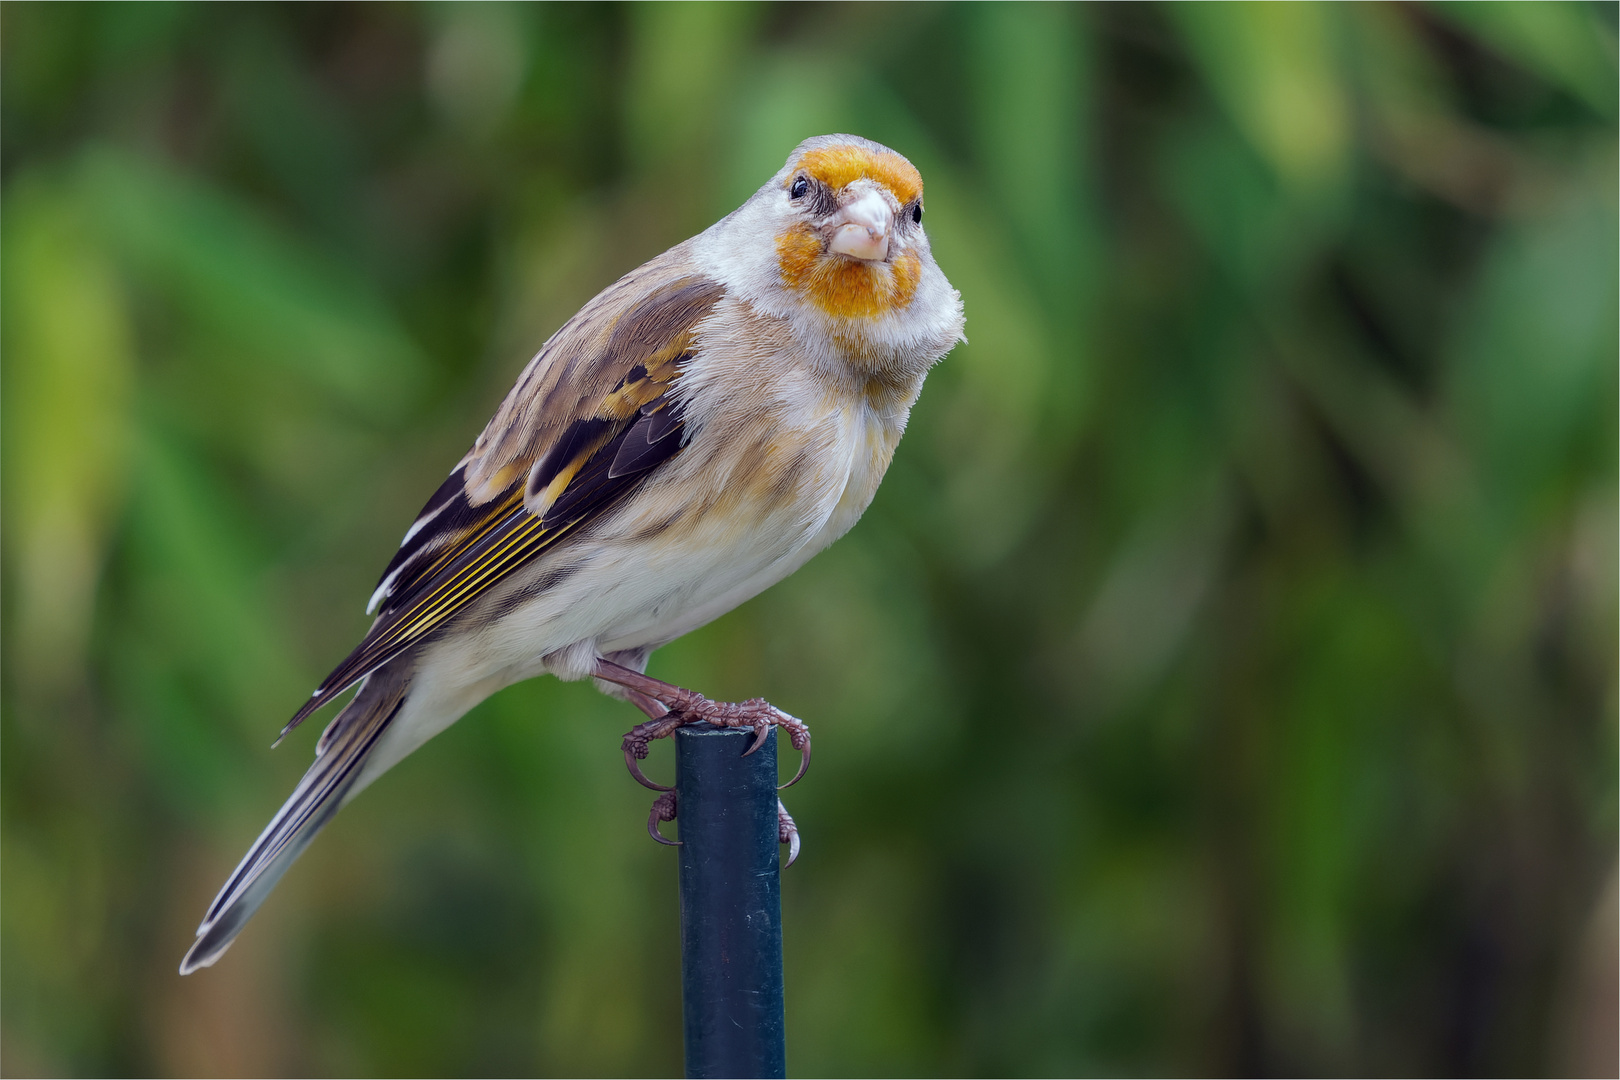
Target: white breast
828, 513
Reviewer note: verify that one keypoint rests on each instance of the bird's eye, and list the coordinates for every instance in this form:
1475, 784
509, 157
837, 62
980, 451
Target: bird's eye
800, 186
916, 213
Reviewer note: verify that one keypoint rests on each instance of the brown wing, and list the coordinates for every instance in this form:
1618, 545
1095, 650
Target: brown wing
589, 419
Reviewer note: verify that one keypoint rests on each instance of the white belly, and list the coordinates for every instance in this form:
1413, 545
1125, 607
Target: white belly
645, 592
865, 457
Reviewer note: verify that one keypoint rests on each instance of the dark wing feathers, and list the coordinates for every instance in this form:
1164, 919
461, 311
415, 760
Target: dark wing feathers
646, 443
448, 512
599, 416
584, 434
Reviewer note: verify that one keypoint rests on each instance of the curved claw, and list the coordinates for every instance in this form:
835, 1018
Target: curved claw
761, 733
804, 767
663, 809
635, 771
652, 830
787, 833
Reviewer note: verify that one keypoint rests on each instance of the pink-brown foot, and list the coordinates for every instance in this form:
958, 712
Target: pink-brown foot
688, 707
669, 707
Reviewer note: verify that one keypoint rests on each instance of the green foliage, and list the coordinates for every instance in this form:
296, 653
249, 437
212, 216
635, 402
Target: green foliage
1223, 681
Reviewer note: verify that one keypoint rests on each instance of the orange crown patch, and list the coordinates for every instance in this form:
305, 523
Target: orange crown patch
840, 166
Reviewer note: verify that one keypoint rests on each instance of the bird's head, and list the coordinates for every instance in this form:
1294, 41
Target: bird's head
849, 238
833, 245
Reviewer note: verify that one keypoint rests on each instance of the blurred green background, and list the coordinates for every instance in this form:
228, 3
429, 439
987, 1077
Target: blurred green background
1224, 680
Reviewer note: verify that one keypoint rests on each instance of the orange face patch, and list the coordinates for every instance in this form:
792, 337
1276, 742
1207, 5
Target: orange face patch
840, 166
844, 287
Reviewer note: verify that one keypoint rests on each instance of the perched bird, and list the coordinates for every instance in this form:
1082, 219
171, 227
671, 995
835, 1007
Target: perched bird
692, 436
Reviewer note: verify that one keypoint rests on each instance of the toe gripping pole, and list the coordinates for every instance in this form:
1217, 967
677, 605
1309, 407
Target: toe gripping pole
731, 905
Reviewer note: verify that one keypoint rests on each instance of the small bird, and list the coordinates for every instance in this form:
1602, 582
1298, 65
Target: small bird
692, 436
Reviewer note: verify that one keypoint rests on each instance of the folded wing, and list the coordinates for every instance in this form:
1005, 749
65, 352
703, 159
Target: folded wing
591, 417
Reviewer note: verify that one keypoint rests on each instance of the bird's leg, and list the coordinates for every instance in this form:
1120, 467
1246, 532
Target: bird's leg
687, 707
668, 707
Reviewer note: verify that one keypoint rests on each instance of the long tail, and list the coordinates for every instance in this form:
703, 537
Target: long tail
339, 759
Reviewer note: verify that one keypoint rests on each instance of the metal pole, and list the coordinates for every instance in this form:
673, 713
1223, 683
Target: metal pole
731, 906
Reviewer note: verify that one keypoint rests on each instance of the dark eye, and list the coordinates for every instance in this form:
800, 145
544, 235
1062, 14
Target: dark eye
916, 213
800, 186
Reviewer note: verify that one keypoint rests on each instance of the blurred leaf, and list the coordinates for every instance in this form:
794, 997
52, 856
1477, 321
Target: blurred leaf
209, 655
684, 58
1534, 368
1032, 129
1275, 67
1562, 41
271, 299
70, 365
1232, 202
477, 63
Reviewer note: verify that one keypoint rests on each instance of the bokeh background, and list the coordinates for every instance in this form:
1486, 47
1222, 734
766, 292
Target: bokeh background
1224, 680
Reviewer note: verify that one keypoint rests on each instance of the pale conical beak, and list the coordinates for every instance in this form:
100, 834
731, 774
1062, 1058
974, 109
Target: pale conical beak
861, 229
